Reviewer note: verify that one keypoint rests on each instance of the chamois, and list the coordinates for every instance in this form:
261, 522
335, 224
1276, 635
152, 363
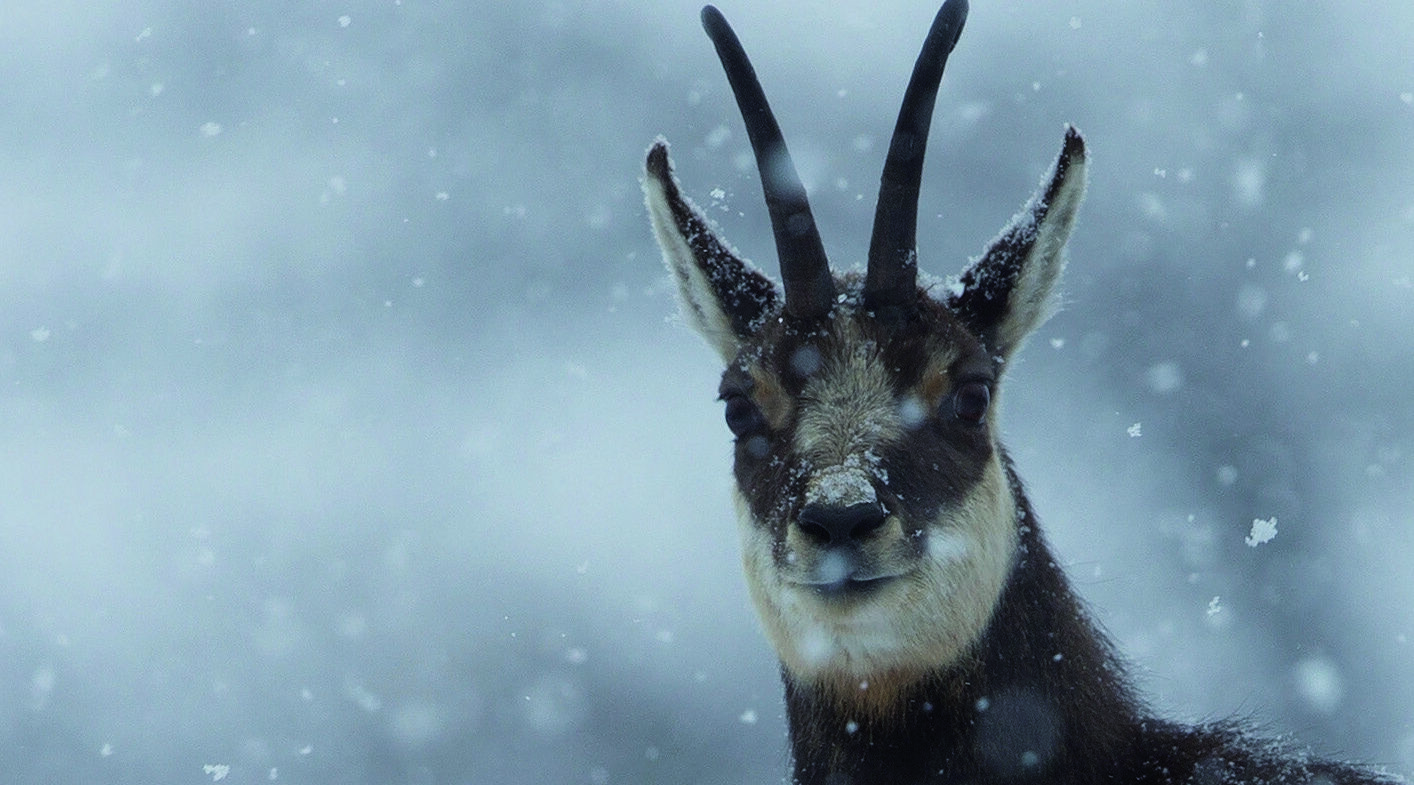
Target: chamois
925, 632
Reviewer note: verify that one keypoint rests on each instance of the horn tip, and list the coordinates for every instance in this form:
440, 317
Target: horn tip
712, 18
953, 14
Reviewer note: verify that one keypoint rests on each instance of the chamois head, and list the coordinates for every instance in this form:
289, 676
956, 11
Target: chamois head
879, 520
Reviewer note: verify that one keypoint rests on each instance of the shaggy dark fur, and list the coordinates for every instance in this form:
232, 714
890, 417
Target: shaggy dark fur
1042, 699
1039, 696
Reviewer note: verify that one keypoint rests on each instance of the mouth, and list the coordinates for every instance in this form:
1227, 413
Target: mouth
851, 588
841, 575
848, 588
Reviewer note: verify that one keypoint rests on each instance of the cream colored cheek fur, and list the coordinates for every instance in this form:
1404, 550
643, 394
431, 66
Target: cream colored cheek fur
924, 621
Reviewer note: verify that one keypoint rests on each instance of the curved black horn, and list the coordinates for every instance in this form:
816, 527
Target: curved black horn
892, 277
810, 289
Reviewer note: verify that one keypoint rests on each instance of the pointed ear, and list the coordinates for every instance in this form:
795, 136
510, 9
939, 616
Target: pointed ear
722, 296
1011, 289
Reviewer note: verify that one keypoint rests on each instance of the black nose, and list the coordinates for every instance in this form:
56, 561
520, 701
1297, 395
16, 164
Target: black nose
835, 525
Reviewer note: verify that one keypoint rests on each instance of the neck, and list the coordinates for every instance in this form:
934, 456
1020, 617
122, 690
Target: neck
1041, 693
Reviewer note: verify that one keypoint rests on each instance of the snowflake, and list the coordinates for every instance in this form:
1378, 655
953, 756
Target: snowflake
1262, 531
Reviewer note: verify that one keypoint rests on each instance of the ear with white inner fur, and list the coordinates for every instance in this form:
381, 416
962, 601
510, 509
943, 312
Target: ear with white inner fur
721, 295
1011, 289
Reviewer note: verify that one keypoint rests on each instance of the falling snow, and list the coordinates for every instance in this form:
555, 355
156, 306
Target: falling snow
1164, 378
324, 540
1319, 683
1263, 531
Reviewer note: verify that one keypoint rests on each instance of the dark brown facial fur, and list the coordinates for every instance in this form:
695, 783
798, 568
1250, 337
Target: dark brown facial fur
929, 356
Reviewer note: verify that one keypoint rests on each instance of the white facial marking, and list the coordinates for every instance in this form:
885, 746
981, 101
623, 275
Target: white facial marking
922, 620
922, 611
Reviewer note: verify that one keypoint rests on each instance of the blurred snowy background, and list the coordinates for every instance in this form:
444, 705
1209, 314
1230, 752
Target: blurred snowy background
345, 438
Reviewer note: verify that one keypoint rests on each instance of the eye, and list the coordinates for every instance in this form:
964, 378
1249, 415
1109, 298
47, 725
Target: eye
743, 416
970, 400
